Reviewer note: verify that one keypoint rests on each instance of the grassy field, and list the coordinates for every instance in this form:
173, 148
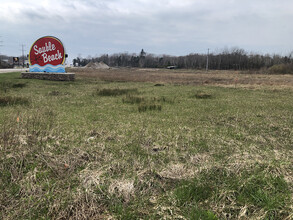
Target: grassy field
130, 146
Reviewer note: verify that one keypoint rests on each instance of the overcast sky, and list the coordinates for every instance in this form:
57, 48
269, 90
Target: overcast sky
174, 27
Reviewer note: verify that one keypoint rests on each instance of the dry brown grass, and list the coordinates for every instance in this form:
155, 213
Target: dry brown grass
183, 76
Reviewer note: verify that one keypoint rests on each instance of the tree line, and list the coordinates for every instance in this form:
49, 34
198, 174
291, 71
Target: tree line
228, 59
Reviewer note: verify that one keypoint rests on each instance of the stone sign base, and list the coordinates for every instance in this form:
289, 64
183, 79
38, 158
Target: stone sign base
48, 76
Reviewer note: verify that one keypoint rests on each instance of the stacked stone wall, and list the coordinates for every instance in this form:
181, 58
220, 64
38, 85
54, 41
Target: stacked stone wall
49, 76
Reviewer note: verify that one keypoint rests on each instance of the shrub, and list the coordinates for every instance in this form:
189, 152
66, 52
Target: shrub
281, 69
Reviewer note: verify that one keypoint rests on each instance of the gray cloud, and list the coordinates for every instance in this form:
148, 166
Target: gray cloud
168, 26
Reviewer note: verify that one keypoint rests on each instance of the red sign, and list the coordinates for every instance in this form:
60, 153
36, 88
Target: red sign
47, 50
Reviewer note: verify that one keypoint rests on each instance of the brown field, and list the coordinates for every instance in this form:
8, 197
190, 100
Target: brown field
191, 77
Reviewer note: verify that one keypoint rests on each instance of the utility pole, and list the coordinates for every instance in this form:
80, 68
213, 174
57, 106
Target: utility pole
207, 66
22, 49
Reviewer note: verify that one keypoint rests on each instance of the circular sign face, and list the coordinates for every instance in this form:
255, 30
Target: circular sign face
47, 50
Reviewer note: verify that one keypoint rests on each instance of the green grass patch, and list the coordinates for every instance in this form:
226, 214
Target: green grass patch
256, 189
265, 191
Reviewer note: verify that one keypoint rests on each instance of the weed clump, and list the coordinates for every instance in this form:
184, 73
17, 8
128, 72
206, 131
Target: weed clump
130, 99
13, 100
202, 95
149, 107
115, 92
19, 85
5, 86
162, 99
54, 93
146, 104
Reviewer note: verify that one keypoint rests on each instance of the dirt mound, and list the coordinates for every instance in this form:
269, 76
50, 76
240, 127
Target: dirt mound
97, 65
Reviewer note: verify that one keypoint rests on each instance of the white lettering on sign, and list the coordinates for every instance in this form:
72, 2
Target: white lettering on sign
47, 48
50, 58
